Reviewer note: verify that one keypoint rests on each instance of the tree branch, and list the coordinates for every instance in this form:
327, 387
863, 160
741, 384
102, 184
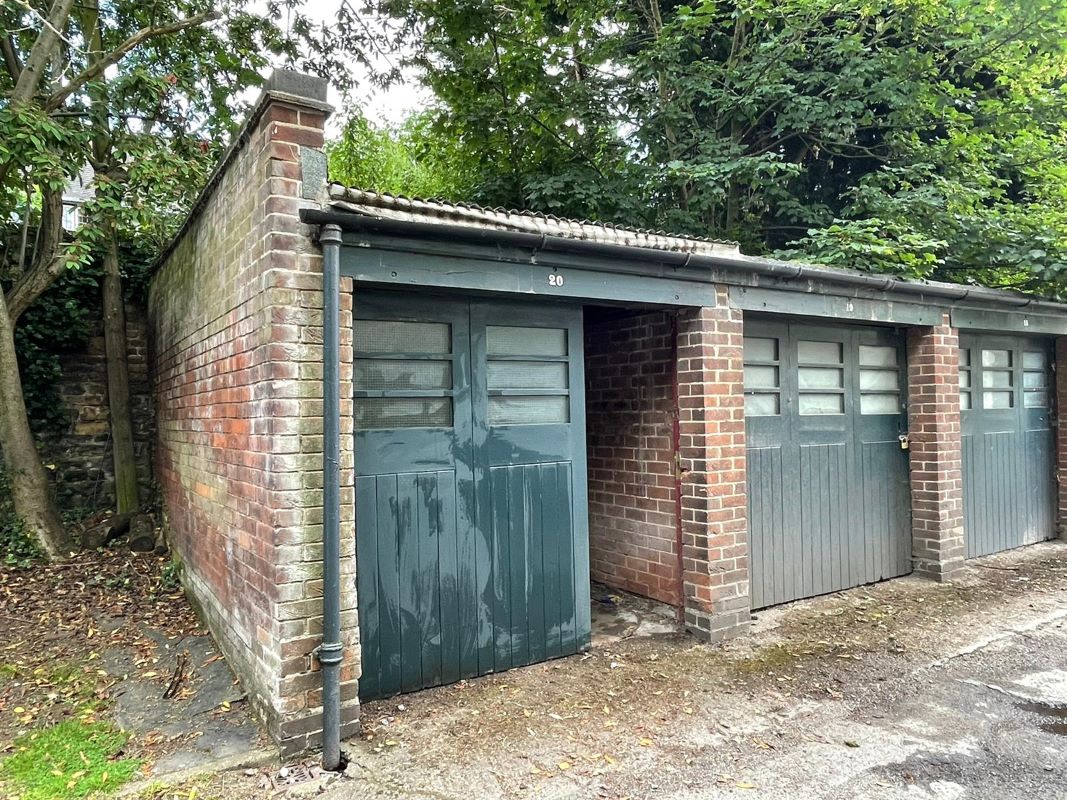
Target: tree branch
98, 67
49, 259
41, 53
11, 58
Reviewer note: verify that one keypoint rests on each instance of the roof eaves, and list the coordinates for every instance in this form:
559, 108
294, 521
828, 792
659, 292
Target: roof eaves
387, 206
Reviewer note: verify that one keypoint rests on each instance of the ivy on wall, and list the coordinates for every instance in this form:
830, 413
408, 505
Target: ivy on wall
61, 322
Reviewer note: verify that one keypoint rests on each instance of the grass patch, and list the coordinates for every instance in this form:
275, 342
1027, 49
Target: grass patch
69, 760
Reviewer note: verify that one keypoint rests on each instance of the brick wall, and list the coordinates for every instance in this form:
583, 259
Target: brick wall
630, 415
84, 475
934, 431
1060, 407
712, 460
236, 318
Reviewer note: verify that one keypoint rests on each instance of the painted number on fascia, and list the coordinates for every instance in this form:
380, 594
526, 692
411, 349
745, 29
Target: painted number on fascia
555, 280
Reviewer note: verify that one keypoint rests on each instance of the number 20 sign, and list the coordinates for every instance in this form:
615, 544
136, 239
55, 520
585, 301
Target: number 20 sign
555, 279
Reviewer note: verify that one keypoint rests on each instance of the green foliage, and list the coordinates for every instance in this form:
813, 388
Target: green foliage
17, 547
920, 137
170, 577
412, 159
59, 322
151, 126
72, 759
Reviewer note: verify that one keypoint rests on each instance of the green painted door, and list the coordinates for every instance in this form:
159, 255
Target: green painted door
471, 522
828, 496
1008, 451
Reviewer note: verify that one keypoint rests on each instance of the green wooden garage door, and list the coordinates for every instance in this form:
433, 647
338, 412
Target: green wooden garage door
471, 529
1008, 454
828, 496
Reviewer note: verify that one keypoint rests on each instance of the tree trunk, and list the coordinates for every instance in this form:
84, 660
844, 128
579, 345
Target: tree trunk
118, 380
29, 482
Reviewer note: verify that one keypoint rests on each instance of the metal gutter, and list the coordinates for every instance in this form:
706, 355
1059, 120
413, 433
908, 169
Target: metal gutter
331, 649
786, 271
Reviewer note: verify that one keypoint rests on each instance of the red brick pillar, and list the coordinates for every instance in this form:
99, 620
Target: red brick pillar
1060, 407
711, 456
934, 431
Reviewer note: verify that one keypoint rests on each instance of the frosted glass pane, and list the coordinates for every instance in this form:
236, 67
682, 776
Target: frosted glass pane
761, 405
820, 378
761, 377
965, 400
515, 341
1035, 380
394, 374
528, 410
965, 379
880, 404
1035, 399
871, 356
758, 349
1033, 360
811, 404
879, 379
965, 358
527, 375
997, 400
996, 380
403, 412
996, 358
389, 336
819, 352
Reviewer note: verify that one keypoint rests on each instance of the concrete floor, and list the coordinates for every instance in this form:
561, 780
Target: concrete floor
618, 615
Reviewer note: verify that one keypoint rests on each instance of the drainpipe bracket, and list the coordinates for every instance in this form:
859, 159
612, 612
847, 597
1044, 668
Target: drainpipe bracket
330, 653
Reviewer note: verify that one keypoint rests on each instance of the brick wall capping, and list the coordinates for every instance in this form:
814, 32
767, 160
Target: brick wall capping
280, 88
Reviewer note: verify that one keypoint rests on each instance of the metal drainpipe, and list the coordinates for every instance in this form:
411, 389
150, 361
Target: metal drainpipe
331, 649
676, 443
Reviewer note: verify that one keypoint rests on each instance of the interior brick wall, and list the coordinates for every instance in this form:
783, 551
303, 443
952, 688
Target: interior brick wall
630, 415
236, 317
935, 450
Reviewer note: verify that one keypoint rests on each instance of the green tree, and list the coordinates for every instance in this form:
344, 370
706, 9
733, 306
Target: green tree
148, 93
921, 137
412, 159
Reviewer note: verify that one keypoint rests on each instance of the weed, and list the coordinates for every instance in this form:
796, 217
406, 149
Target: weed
71, 760
170, 577
17, 546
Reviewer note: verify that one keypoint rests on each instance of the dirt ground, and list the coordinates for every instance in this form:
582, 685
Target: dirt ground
106, 640
838, 696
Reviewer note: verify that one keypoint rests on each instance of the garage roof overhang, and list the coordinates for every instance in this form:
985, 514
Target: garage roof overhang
393, 241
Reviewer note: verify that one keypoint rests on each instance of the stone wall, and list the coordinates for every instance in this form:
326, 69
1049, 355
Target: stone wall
235, 310
84, 473
630, 419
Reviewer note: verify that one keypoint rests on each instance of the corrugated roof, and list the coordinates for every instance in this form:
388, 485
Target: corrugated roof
387, 206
